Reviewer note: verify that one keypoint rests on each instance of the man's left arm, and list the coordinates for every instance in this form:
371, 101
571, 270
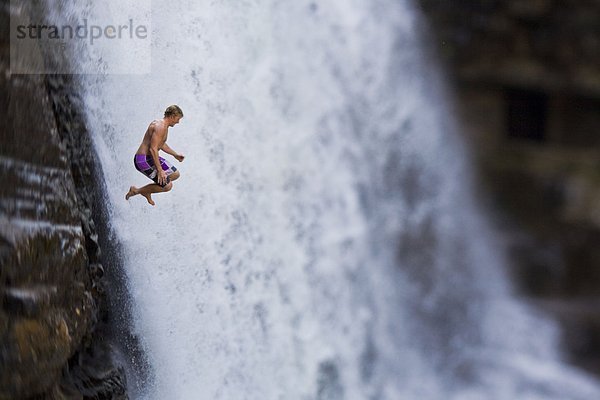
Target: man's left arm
168, 150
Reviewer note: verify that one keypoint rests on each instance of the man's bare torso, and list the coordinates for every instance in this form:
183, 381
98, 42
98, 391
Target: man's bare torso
156, 127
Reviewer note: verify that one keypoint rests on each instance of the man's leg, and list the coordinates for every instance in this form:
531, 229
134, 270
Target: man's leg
147, 191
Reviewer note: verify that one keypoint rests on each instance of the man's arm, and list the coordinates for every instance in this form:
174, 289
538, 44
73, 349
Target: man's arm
168, 150
158, 136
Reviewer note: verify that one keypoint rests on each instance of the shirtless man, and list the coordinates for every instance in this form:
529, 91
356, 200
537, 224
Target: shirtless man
146, 158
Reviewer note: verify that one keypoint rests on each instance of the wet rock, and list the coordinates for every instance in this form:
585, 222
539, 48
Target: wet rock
53, 343
541, 167
28, 302
536, 43
96, 271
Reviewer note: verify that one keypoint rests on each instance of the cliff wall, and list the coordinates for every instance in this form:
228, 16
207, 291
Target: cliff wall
55, 335
527, 80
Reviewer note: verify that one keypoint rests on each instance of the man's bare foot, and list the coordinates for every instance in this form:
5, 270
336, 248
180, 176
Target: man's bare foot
132, 192
149, 198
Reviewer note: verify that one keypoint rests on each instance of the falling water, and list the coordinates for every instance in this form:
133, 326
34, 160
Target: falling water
323, 241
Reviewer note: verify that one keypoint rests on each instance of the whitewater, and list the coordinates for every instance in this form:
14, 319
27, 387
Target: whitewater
324, 240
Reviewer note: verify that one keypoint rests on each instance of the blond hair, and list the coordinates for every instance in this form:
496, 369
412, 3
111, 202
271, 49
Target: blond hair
173, 110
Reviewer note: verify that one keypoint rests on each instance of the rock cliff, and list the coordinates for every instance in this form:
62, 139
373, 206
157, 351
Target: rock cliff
527, 80
55, 336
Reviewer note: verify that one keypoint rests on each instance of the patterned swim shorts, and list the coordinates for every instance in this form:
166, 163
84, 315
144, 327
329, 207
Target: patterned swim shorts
145, 164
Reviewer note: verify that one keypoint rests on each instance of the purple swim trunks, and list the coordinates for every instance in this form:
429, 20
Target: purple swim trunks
145, 164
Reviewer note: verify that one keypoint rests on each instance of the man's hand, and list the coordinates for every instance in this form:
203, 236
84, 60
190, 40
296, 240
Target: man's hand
162, 177
179, 157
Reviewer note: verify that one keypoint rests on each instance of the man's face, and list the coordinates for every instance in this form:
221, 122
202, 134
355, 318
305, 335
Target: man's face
174, 120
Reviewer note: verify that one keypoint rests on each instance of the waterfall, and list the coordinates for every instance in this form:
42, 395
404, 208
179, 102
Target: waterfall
324, 240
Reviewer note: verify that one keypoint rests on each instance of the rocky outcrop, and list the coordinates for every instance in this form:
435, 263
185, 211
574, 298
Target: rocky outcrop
527, 80
55, 338
541, 43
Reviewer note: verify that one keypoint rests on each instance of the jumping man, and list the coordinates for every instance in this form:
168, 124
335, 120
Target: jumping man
146, 158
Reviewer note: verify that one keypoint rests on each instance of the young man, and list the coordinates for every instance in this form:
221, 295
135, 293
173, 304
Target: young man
146, 158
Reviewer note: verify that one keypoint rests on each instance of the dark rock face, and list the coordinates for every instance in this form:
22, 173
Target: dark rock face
53, 323
537, 42
527, 79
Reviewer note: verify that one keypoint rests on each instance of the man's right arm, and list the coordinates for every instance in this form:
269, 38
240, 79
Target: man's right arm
156, 140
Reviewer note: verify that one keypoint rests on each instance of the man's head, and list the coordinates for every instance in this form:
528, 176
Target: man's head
173, 114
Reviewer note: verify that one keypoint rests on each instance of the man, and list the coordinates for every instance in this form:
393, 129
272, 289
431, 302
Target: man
146, 158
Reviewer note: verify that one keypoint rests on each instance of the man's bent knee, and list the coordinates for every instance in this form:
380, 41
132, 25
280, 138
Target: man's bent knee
174, 175
167, 187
